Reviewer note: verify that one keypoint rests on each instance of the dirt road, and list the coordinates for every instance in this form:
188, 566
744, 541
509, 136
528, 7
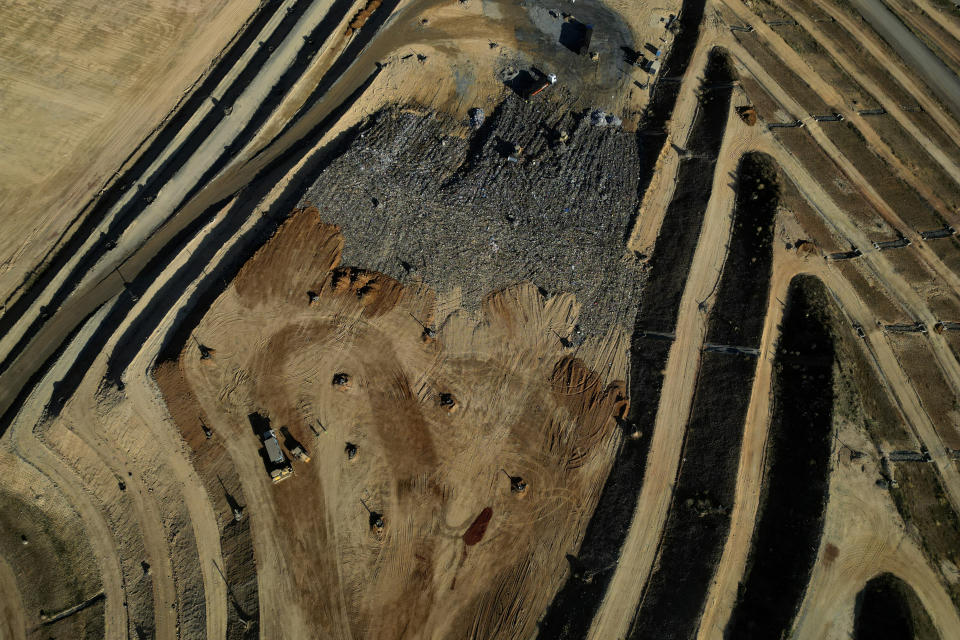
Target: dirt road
639, 551
865, 537
723, 591
938, 76
895, 284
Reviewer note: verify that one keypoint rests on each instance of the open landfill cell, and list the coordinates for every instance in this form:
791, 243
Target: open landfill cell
480, 319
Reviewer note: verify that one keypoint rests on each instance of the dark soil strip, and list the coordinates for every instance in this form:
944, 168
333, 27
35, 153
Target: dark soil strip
790, 522
741, 297
151, 187
312, 43
699, 517
683, 220
575, 605
887, 608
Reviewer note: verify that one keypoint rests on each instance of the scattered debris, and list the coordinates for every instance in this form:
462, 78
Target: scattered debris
477, 117
748, 114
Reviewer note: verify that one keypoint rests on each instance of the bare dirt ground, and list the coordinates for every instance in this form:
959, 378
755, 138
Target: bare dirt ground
415, 458
455, 472
95, 80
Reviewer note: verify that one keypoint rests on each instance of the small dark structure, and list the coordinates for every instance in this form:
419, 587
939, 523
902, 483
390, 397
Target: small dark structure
845, 255
351, 450
341, 379
834, 117
899, 243
447, 401
909, 456
945, 232
517, 484
576, 36
916, 327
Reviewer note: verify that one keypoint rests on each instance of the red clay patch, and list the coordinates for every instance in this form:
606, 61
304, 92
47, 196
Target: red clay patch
479, 527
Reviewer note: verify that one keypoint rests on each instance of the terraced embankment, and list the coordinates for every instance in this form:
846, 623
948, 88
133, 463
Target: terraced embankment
675, 247
699, 514
573, 609
787, 535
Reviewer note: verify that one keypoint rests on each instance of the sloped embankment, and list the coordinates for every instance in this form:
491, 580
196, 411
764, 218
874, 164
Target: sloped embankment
572, 611
706, 482
888, 608
793, 502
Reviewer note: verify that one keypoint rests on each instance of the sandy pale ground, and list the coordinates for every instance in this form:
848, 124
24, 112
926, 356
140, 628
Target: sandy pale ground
84, 84
13, 624
525, 404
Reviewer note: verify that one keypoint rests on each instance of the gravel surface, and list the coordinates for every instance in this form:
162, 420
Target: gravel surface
508, 203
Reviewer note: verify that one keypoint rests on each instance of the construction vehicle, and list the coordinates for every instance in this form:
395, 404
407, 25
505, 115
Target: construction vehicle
547, 81
300, 453
280, 468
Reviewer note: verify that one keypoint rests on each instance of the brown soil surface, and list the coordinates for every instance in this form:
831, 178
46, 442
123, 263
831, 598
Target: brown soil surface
92, 80
429, 472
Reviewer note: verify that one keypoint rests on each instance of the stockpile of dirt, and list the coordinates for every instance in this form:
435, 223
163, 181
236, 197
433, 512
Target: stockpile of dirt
793, 503
510, 203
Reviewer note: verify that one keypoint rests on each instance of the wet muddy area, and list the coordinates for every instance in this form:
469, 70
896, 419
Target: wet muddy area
793, 503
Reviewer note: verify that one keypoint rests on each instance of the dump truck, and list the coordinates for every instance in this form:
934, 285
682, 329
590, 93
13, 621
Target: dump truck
280, 468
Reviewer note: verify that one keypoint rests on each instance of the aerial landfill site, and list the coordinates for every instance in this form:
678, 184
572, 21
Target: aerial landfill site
470, 319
